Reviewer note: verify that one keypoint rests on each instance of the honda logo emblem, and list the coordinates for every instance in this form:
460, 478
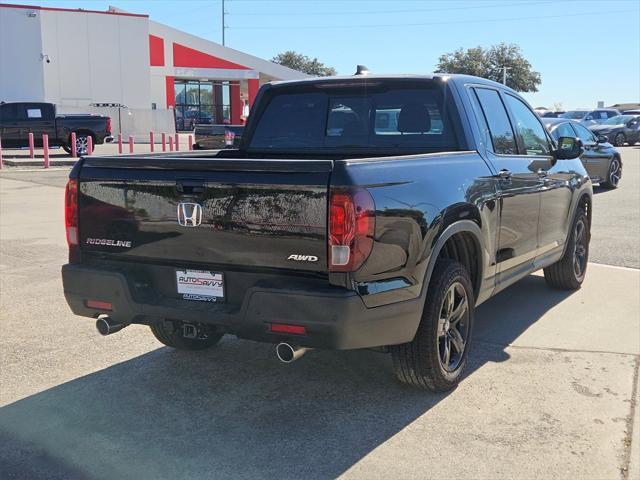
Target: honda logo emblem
189, 214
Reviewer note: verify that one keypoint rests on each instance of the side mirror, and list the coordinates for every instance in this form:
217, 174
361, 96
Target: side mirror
602, 139
568, 148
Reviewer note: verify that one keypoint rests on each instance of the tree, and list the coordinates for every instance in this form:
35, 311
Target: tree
491, 63
302, 63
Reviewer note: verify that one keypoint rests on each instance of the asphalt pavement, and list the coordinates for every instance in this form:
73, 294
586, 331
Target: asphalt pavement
551, 390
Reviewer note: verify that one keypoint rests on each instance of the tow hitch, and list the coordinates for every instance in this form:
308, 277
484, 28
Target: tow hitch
189, 331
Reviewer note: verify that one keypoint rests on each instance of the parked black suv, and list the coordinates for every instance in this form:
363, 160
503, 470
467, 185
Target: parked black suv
357, 212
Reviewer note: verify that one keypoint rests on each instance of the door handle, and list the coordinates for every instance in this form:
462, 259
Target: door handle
504, 174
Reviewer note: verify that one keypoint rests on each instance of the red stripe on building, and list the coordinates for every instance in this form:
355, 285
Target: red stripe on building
236, 103
156, 51
253, 87
171, 92
188, 57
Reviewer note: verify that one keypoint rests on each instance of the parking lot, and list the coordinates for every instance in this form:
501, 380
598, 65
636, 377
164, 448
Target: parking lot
551, 389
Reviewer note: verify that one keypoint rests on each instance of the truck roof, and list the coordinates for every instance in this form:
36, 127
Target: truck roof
449, 77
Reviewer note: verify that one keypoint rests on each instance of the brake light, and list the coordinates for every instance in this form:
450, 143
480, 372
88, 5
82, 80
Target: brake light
351, 228
108, 125
71, 212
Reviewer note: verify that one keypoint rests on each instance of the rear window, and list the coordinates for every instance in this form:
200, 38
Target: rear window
354, 118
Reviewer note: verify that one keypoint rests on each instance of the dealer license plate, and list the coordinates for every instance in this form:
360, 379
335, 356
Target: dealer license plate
200, 285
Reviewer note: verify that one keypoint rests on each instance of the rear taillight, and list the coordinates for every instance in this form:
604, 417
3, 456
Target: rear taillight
71, 212
351, 227
108, 125
229, 138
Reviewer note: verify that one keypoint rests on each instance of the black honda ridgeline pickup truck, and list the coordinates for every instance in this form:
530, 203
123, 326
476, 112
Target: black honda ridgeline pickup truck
358, 212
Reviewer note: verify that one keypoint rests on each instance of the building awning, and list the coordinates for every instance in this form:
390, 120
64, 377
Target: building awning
215, 73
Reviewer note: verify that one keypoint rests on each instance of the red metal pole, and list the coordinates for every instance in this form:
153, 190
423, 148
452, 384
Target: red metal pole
74, 146
1, 163
45, 146
177, 142
130, 144
151, 141
31, 145
170, 143
120, 143
190, 143
164, 142
89, 145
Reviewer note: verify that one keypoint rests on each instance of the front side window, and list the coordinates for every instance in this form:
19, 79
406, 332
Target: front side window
502, 136
584, 134
563, 130
531, 131
9, 112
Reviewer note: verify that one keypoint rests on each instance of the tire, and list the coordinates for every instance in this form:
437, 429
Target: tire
568, 273
170, 333
613, 175
82, 142
619, 140
421, 362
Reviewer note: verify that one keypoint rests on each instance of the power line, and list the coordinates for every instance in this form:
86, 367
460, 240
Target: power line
416, 10
453, 22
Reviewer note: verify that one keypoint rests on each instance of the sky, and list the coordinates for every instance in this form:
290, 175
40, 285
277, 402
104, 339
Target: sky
585, 50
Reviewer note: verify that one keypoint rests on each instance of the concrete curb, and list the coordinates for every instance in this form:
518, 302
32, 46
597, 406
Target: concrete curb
54, 162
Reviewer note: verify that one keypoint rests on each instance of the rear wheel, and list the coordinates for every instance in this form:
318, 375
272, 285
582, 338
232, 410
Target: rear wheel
619, 140
568, 273
614, 175
437, 356
185, 336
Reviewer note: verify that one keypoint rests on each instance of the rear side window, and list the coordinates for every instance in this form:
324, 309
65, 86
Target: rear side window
34, 113
356, 117
502, 136
531, 131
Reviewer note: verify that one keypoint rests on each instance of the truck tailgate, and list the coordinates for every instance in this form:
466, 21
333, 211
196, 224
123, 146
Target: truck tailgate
186, 211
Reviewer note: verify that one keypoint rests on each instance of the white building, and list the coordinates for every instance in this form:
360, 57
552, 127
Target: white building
78, 59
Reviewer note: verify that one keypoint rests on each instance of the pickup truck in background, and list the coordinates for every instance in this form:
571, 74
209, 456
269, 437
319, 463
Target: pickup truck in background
18, 119
215, 137
358, 212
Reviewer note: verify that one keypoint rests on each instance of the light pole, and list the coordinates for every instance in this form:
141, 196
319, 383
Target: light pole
504, 73
223, 22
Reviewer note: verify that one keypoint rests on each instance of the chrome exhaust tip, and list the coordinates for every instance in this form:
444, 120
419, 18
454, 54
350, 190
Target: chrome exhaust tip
106, 326
288, 353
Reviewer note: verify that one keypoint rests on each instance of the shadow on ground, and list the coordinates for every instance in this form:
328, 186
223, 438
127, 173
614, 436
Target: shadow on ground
235, 411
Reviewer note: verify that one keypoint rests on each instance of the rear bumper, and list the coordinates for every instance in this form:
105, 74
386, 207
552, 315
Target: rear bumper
334, 318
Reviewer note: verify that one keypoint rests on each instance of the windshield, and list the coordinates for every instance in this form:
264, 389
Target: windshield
355, 117
618, 120
574, 114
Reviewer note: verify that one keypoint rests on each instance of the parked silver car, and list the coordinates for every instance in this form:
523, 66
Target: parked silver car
590, 117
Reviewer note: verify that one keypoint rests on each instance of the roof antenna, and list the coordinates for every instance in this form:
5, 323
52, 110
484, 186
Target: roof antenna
362, 70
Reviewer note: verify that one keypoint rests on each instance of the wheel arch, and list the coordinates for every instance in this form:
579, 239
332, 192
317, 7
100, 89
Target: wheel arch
461, 240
